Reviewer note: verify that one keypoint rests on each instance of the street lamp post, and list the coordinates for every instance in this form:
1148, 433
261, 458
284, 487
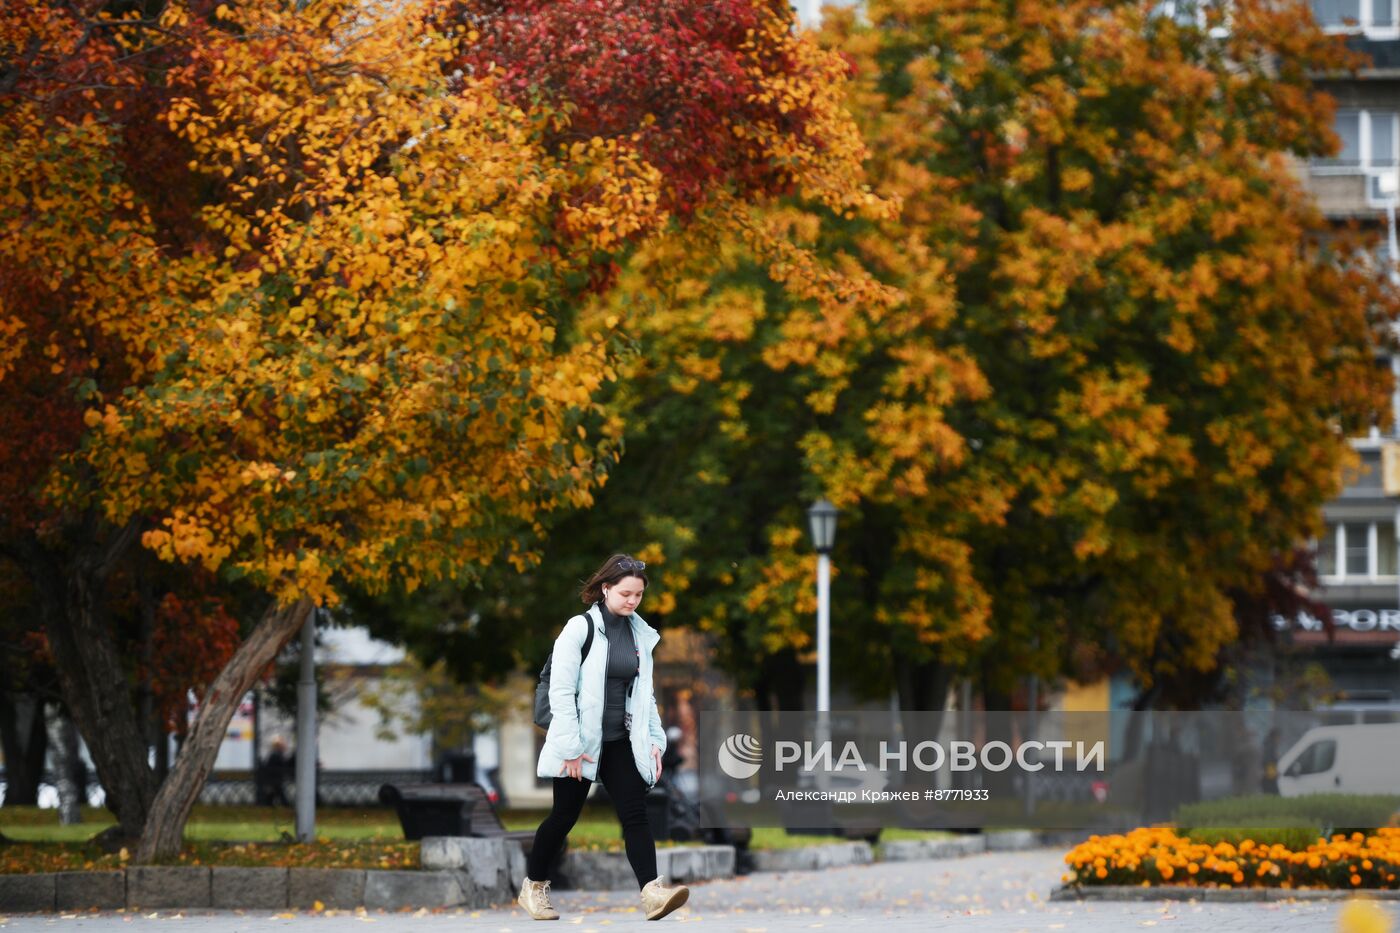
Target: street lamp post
306, 733
822, 519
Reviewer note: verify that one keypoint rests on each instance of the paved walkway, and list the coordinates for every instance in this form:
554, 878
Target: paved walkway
994, 892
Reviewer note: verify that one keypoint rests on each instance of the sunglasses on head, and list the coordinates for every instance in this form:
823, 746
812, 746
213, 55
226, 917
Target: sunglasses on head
631, 564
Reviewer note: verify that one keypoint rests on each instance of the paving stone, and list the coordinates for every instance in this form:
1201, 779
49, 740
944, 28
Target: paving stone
493, 867
916, 850
814, 858
1011, 840
722, 861
610, 871
396, 890
151, 886
686, 864
250, 888
335, 888
83, 890
27, 892
594, 871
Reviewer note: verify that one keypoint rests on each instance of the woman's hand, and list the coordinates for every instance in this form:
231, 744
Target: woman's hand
573, 767
656, 760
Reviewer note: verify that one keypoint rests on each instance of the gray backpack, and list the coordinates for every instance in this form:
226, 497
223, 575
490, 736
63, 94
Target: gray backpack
543, 714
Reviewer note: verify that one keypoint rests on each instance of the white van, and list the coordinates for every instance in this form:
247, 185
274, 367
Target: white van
1354, 759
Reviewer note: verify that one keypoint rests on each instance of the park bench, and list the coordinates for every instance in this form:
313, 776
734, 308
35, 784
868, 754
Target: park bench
448, 810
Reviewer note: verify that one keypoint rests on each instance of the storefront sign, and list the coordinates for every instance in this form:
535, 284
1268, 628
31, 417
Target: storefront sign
1369, 627
1356, 620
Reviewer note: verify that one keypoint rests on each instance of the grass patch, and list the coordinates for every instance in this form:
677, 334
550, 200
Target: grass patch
775, 837
346, 838
25, 857
1329, 812
897, 833
1293, 838
211, 824
597, 829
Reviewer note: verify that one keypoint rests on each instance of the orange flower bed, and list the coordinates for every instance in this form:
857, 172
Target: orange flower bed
1158, 856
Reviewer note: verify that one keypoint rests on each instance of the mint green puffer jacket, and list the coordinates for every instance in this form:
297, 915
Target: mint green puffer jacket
576, 700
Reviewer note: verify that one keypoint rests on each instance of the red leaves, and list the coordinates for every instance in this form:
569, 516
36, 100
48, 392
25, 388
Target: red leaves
194, 638
39, 419
675, 76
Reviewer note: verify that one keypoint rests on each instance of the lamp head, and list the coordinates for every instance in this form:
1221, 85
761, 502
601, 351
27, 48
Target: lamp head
821, 519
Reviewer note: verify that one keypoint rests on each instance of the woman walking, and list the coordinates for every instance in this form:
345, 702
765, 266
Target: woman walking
605, 727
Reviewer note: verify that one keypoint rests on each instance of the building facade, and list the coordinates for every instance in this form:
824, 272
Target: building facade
1358, 555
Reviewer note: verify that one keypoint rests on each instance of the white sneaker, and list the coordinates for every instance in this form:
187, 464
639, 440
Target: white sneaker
658, 900
534, 897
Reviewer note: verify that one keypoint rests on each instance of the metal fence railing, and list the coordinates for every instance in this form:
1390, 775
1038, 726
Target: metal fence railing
333, 788
238, 788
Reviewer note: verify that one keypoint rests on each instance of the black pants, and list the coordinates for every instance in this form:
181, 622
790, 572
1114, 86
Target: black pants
628, 791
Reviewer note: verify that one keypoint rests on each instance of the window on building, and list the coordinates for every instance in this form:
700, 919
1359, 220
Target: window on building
1358, 551
1337, 13
1383, 138
1347, 125
1327, 553
1355, 15
1213, 15
1369, 145
1386, 564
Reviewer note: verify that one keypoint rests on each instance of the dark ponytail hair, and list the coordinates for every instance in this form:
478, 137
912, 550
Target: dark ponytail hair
613, 570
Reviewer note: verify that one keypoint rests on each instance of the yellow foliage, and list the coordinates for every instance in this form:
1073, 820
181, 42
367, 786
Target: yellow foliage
350, 371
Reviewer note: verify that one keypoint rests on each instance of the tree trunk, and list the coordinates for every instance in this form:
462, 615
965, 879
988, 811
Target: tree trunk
91, 675
23, 741
923, 694
996, 698
145, 690
165, 825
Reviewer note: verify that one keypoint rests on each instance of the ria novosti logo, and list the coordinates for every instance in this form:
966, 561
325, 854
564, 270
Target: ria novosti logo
740, 756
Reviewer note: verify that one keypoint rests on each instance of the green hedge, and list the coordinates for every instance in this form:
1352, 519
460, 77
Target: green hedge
1328, 812
1295, 838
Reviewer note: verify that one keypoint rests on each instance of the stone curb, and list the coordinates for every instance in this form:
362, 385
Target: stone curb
396, 890
1013, 840
157, 887
1213, 895
919, 850
463, 872
610, 871
335, 888
28, 892
82, 890
249, 888
814, 858
493, 868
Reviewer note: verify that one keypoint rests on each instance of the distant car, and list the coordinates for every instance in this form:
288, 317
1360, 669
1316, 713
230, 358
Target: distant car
1353, 759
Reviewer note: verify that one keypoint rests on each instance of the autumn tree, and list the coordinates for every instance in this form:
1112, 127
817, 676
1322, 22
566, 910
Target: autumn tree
1107, 406
1175, 346
303, 268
